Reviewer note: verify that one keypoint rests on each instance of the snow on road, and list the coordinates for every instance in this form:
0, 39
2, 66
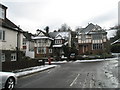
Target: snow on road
110, 70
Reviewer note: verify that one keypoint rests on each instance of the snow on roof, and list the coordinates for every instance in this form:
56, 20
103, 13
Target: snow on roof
117, 41
57, 45
65, 43
38, 37
56, 35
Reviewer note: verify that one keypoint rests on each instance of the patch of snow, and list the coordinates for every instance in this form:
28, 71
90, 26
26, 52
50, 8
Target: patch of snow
57, 45
112, 81
38, 37
30, 70
60, 62
95, 60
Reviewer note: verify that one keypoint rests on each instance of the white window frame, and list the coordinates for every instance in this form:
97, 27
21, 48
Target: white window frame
24, 41
13, 57
3, 57
50, 50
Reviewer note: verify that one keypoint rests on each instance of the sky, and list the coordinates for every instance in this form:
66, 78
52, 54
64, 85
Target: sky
31, 15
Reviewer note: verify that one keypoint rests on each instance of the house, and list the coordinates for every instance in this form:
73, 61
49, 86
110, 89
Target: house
43, 45
28, 45
10, 38
12, 45
92, 40
62, 41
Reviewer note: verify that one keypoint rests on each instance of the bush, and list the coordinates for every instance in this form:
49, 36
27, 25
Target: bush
115, 48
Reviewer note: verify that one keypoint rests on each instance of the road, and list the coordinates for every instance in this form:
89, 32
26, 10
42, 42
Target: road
70, 75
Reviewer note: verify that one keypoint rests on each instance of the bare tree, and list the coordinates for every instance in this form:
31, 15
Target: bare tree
46, 29
65, 27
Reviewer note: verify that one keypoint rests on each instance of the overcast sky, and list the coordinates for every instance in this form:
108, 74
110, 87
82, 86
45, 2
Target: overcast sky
36, 14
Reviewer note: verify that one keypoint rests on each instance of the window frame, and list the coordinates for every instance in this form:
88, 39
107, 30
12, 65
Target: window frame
41, 50
50, 50
97, 46
2, 57
13, 57
2, 15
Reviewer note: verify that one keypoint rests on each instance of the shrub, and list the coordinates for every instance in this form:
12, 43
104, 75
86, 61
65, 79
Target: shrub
115, 48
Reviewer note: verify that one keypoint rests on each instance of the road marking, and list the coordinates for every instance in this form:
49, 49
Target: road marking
74, 80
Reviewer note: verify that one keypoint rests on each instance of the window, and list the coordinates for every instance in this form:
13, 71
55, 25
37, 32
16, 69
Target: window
31, 46
2, 13
24, 42
97, 46
2, 35
13, 57
83, 37
41, 50
50, 50
97, 37
2, 57
58, 41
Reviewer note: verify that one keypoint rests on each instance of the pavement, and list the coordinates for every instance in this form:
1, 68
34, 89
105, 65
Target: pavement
31, 70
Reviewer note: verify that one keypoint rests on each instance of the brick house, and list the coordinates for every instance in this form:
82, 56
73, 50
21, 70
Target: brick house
92, 40
43, 45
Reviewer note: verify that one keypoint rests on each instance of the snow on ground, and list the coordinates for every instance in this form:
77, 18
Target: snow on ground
111, 73
31, 70
60, 62
96, 60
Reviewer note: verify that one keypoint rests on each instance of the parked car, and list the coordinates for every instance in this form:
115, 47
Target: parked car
7, 80
72, 56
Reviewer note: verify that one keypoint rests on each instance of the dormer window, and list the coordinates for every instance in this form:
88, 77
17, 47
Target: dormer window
2, 13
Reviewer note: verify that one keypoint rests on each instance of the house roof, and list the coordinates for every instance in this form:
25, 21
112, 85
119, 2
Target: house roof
92, 29
63, 35
117, 41
40, 31
88, 28
3, 6
6, 23
28, 36
38, 37
41, 35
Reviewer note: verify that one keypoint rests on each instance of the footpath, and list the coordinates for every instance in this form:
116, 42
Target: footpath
31, 70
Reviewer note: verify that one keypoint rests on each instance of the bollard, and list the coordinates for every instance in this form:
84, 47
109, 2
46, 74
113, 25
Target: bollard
49, 61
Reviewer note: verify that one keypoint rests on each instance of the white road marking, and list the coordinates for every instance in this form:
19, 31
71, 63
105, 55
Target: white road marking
74, 80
